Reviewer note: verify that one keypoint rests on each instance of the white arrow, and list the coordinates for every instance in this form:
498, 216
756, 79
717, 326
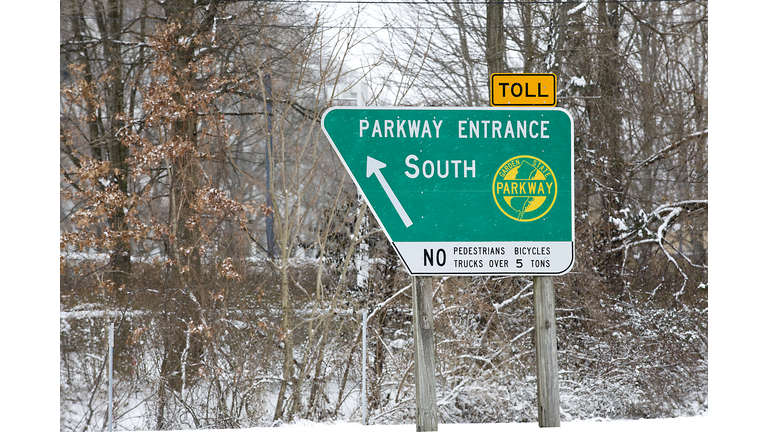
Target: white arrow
374, 167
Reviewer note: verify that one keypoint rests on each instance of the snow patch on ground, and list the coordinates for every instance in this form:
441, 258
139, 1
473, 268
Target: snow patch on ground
699, 423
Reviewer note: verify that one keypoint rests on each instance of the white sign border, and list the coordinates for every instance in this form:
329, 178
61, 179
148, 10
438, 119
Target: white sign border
373, 210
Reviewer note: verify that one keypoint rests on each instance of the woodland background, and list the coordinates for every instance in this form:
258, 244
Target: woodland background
203, 212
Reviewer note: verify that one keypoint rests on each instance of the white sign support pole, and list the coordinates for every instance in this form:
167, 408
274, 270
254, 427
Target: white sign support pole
363, 392
111, 352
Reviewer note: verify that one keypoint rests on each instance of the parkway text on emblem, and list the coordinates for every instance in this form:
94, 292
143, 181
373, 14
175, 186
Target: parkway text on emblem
524, 188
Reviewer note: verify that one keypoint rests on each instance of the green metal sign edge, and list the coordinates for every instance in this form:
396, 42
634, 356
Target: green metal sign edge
383, 227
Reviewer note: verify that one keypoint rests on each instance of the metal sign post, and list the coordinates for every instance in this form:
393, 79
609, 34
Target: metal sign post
111, 353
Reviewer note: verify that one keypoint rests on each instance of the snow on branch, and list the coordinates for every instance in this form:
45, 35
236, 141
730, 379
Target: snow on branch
653, 228
99, 41
498, 306
635, 166
383, 305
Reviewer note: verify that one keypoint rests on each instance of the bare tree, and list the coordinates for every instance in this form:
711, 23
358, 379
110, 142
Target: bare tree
204, 213
634, 78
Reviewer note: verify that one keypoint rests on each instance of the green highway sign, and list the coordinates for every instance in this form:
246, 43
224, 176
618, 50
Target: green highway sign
465, 191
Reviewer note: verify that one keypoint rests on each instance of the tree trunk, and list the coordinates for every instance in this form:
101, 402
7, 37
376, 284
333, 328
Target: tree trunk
288, 358
606, 128
495, 49
120, 257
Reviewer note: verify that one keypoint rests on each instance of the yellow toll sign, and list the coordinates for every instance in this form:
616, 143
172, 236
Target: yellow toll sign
521, 89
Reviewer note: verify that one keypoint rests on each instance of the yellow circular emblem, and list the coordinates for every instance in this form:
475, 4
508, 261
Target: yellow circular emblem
524, 188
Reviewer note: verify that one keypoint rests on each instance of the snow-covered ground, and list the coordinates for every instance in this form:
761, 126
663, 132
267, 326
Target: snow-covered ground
680, 424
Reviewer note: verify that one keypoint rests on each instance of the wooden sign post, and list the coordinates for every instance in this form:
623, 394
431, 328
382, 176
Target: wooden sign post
424, 353
547, 381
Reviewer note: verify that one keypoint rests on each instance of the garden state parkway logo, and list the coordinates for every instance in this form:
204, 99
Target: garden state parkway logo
524, 188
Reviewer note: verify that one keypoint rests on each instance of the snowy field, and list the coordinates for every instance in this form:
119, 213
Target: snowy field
699, 424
